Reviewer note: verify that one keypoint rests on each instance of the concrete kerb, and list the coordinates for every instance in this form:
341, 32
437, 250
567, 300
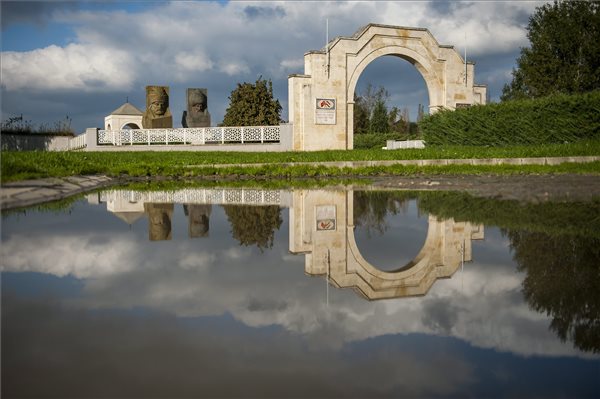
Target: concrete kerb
33, 192
421, 162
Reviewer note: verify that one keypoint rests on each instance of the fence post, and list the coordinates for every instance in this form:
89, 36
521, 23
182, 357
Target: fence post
130, 136
184, 137
166, 137
91, 138
222, 135
148, 133
262, 134
242, 134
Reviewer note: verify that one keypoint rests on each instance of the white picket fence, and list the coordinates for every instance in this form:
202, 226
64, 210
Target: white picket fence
77, 142
191, 136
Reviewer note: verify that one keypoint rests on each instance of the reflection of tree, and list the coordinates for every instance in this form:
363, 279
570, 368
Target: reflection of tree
254, 225
371, 208
563, 280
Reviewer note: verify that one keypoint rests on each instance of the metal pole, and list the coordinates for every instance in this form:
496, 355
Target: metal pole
466, 59
327, 44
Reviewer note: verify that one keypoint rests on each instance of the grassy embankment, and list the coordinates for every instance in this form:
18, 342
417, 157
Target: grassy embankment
29, 165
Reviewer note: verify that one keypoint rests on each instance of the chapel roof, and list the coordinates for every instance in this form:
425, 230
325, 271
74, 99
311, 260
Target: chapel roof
127, 109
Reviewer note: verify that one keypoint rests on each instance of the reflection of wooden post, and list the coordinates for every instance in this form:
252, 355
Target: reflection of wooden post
159, 221
198, 219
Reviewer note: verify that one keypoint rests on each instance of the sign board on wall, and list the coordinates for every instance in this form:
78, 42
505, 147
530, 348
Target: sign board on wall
326, 216
325, 111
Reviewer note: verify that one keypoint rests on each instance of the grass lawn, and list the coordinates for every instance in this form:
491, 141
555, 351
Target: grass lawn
29, 165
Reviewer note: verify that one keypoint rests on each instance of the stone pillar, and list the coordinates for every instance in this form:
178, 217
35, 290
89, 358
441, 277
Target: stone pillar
286, 136
91, 139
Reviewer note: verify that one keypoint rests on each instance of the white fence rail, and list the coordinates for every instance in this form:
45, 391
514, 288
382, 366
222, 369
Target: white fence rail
193, 136
224, 196
77, 142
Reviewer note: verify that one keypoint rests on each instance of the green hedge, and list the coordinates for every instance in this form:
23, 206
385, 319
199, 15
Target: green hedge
554, 119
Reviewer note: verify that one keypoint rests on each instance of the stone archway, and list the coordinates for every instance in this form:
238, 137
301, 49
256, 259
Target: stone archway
321, 101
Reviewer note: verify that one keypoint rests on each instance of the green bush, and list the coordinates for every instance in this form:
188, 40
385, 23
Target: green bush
550, 120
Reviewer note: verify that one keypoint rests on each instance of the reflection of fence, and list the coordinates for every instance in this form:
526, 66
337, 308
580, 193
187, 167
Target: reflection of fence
220, 196
193, 136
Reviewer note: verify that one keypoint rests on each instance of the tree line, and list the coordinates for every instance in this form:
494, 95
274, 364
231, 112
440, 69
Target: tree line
372, 115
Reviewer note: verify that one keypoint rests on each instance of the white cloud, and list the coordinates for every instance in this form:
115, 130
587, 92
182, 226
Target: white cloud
116, 49
193, 62
234, 68
292, 64
76, 66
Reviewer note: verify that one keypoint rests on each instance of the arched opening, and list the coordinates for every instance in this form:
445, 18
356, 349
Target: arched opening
389, 230
109, 127
130, 125
394, 81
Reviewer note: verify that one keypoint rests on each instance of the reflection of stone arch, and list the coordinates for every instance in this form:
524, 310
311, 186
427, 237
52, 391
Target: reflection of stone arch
334, 252
333, 73
440, 257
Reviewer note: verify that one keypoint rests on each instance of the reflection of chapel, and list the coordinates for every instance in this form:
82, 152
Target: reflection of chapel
127, 116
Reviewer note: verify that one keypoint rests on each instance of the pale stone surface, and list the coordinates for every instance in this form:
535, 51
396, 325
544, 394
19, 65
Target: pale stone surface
333, 75
397, 145
157, 115
197, 114
31, 192
34, 142
127, 115
159, 221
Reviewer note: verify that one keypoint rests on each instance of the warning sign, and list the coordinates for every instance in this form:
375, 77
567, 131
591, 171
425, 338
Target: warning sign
325, 111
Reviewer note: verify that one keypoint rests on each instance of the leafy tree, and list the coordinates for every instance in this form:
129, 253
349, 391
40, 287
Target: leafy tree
372, 96
563, 275
253, 105
254, 225
379, 119
420, 113
361, 116
564, 55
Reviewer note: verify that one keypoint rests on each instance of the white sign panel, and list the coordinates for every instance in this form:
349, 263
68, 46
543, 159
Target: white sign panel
326, 216
325, 111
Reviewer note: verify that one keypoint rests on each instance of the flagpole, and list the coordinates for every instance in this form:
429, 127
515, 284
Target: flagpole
466, 58
327, 43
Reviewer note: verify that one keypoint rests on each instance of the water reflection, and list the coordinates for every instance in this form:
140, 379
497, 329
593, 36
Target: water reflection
85, 294
321, 228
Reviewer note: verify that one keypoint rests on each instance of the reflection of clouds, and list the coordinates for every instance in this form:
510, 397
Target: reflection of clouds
94, 255
482, 305
157, 355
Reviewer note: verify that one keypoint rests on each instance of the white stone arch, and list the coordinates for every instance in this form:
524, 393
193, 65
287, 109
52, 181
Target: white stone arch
420, 63
333, 72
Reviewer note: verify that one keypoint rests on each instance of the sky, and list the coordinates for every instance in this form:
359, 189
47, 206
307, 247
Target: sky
82, 60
